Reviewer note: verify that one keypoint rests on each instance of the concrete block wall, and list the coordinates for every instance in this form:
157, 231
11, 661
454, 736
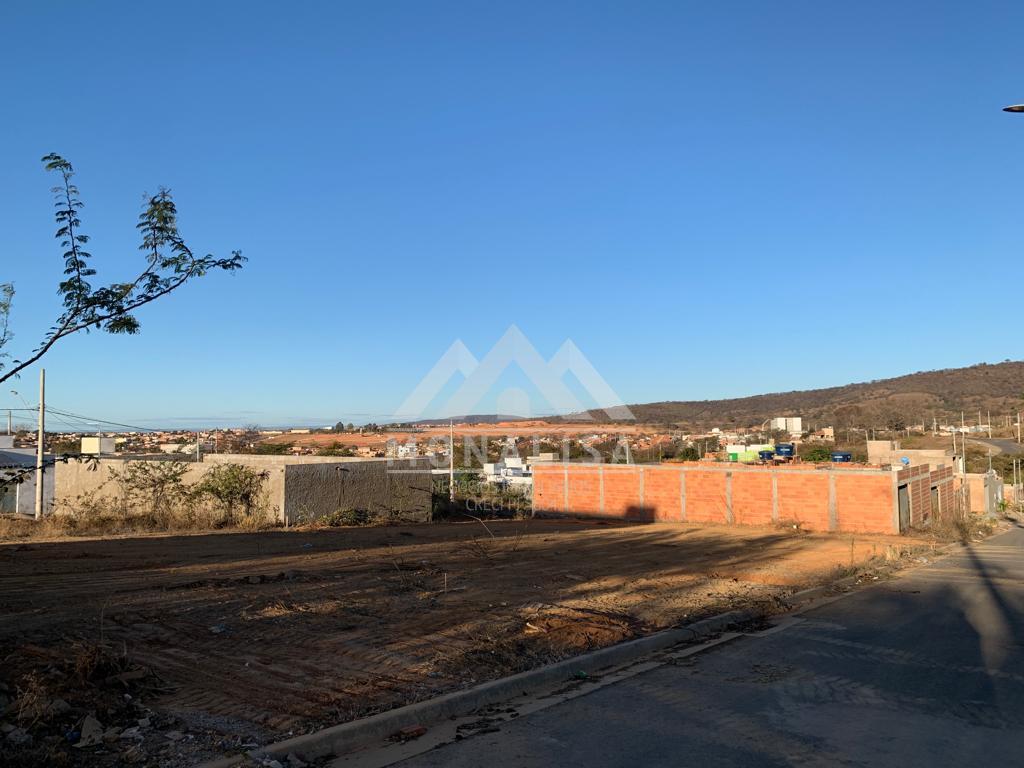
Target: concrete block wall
975, 482
76, 478
400, 490
827, 499
293, 490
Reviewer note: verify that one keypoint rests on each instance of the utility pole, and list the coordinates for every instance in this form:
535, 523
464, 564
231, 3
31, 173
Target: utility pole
451, 461
39, 444
198, 457
9, 423
989, 421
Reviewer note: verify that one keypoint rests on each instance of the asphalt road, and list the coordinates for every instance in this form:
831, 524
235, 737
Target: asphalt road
1005, 445
923, 670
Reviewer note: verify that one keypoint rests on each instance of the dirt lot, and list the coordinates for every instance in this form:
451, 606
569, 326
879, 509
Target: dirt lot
235, 638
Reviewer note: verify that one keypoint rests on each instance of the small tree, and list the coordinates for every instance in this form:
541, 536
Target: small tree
158, 486
169, 264
687, 453
816, 454
236, 487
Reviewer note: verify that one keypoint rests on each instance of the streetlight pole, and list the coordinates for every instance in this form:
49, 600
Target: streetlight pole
451, 461
40, 440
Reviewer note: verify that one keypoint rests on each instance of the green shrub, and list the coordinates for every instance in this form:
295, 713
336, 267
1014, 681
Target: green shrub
238, 490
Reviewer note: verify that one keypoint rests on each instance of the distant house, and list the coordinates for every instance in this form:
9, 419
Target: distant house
823, 435
189, 448
97, 445
888, 452
20, 498
509, 471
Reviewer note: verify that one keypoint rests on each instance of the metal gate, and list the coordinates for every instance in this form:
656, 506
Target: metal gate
903, 495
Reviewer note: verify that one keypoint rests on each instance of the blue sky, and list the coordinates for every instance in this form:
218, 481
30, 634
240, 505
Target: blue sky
709, 199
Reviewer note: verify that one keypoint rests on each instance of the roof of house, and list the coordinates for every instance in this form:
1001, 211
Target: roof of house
15, 458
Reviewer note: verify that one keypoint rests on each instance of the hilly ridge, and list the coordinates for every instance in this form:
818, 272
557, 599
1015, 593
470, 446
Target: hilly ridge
913, 398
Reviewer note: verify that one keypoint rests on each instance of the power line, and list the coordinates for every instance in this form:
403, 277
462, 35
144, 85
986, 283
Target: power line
91, 420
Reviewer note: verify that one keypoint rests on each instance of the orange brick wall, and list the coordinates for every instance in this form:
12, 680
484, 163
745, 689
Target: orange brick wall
820, 500
662, 495
585, 490
865, 504
622, 494
705, 497
944, 480
804, 499
548, 490
918, 481
750, 490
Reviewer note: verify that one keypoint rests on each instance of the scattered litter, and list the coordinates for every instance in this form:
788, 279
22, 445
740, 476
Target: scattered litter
92, 732
411, 732
217, 628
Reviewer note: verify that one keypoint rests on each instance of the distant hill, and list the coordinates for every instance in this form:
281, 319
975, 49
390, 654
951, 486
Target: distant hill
914, 398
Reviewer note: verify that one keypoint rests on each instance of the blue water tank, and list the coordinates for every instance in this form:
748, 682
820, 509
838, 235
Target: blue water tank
765, 455
785, 450
842, 456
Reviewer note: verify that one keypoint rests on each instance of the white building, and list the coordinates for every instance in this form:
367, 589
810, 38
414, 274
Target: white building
98, 446
510, 471
794, 425
396, 450
188, 448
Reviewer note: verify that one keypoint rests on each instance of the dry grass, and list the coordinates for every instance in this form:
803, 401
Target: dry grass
109, 518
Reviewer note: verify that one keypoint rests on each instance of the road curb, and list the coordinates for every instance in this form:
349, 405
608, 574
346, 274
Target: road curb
345, 737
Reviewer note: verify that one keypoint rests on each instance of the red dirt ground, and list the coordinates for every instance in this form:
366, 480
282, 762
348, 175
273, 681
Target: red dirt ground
290, 630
